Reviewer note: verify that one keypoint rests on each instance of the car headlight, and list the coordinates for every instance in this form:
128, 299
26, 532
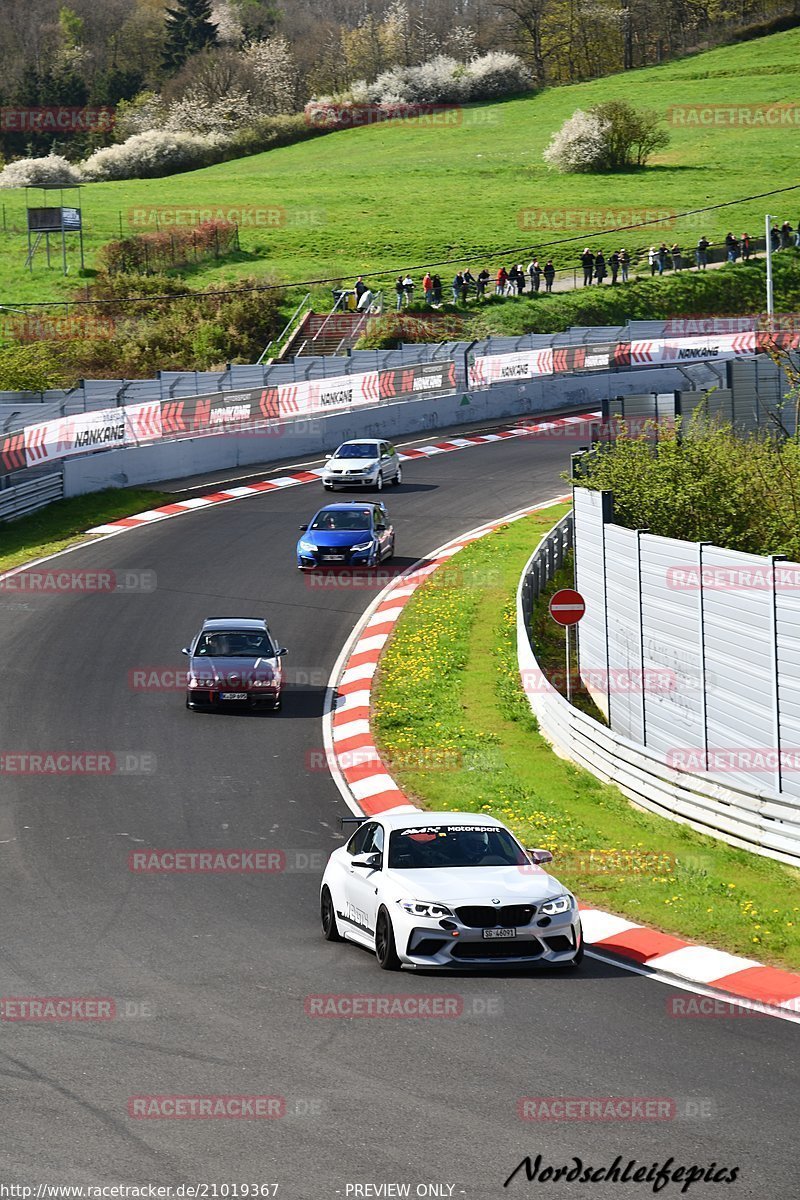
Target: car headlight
362, 546
307, 547
195, 682
425, 908
559, 904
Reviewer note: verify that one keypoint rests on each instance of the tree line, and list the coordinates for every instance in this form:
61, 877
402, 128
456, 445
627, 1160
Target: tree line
101, 52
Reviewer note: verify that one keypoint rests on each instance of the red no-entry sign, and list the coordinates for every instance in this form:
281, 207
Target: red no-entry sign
567, 606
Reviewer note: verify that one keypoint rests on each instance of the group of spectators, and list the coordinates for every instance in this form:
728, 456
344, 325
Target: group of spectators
513, 281
518, 280
596, 268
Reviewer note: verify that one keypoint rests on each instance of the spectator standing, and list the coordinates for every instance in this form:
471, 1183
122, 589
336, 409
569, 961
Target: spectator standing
677, 257
613, 262
786, 235
360, 288
483, 280
500, 284
797, 235
587, 258
408, 288
652, 260
427, 286
661, 257
458, 284
746, 247
624, 263
599, 267
775, 237
400, 292
549, 274
469, 281
520, 279
536, 275
701, 252
437, 291
731, 247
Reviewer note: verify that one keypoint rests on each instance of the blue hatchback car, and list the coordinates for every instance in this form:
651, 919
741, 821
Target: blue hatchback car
341, 535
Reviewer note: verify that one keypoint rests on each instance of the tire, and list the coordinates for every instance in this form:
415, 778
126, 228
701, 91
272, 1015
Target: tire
327, 914
189, 705
328, 487
398, 479
385, 950
379, 482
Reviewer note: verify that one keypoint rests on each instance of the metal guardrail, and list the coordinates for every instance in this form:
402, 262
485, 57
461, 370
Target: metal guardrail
276, 345
23, 498
761, 821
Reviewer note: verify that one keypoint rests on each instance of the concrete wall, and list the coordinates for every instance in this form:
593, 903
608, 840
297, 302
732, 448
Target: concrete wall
305, 437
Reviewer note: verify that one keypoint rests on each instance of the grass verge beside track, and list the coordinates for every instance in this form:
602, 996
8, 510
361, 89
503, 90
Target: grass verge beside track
456, 730
65, 522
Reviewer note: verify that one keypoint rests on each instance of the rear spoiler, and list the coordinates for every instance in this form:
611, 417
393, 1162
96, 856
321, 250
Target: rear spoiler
352, 820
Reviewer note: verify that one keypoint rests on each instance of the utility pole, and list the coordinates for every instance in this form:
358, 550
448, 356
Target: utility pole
770, 301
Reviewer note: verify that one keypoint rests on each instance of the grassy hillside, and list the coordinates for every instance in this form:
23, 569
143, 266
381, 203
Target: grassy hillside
398, 196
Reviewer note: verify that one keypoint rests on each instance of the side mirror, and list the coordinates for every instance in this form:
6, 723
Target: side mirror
303, 528
281, 652
538, 857
367, 862
185, 650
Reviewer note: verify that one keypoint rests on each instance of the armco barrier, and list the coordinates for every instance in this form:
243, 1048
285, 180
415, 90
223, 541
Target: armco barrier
26, 497
761, 821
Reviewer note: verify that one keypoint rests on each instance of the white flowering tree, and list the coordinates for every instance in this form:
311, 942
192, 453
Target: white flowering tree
40, 172
580, 144
272, 76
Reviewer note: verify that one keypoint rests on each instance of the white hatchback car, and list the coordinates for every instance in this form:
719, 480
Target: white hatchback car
444, 889
363, 462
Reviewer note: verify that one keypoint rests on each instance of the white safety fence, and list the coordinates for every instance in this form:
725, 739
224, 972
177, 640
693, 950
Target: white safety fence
758, 820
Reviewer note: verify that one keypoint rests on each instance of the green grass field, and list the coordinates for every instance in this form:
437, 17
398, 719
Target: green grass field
394, 197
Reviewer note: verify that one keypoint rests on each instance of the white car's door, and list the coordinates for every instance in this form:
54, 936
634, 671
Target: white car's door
362, 883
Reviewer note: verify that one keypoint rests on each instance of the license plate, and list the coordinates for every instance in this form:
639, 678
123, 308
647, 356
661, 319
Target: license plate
333, 558
233, 695
499, 933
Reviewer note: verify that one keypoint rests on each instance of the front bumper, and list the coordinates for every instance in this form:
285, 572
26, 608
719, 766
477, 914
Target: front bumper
332, 557
544, 940
362, 479
204, 696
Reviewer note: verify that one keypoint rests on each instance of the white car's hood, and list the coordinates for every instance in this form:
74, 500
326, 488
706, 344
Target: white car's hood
351, 464
477, 885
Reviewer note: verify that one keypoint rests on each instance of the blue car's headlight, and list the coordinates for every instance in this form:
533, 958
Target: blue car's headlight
306, 547
362, 546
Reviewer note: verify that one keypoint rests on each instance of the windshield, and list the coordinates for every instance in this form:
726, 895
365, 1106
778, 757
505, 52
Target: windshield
235, 644
357, 450
342, 520
454, 846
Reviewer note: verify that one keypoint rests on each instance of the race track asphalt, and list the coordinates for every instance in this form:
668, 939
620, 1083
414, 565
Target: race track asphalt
211, 972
